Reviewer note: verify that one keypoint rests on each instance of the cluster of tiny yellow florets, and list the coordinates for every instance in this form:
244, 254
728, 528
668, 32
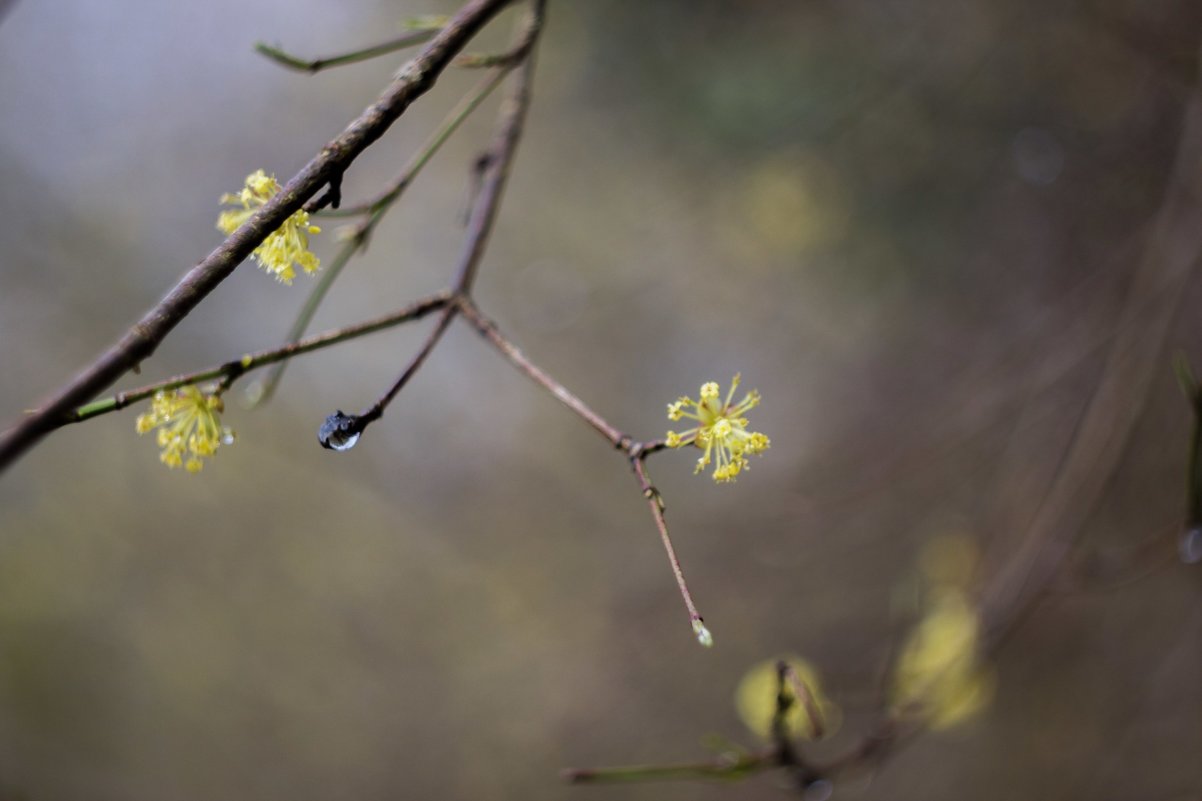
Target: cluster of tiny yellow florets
721, 430
288, 245
189, 426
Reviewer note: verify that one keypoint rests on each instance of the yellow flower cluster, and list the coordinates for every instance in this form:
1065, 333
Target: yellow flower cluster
189, 426
807, 718
940, 676
721, 430
290, 242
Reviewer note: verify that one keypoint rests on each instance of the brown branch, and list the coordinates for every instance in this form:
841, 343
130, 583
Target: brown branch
375, 210
487, 329
655, 503
1102, 432
422, 157
636, 452
1088, 465
229, 371
484, 212
144, 337
728, 768
341, 431
1106, 426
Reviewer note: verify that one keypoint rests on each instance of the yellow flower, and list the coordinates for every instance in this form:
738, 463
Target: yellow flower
807, 718
721, 430
938, 675
288, 245
188, 424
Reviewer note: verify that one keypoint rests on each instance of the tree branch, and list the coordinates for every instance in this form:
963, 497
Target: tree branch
144, 337
484, 211
231, 370
636, 452
262, 390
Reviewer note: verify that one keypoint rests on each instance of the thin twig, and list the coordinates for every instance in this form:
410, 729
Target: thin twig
489, 331
656, 503
636, 452
262, 390
484, 212
1106, 426
470, 102
732, 765
501, 153
144, 337
376, 411
231, 370
1102, 431
788, 677
292, 62
788, 756
479, 61
740, 766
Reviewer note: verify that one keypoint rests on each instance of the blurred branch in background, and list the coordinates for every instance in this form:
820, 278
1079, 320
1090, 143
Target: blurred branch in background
938, 657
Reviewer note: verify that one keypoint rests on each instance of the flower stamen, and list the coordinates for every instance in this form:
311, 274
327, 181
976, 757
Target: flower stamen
722, 431
288, 245
189, 426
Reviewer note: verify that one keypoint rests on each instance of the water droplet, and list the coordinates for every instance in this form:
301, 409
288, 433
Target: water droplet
703, 634
1189, 547
227, 437
340, 431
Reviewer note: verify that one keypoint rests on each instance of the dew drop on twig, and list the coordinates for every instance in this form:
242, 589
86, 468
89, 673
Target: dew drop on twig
340, 431
703, 634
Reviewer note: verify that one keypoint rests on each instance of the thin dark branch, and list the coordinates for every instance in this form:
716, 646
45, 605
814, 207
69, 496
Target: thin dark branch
376, 411
509, 132
1134, 358
470, 102
290, 61
655, 503
1102, 432
261, 391
788, 678
513, 119
231, 370
736, 766
144, 337
636, 452
487, 329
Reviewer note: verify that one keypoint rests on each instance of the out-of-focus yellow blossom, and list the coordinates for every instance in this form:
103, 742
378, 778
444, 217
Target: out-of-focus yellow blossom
805, 719
938, 675
288, 245
721, 430
189, 426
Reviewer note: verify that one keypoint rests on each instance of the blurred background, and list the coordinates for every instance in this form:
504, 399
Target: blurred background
911, 225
